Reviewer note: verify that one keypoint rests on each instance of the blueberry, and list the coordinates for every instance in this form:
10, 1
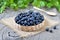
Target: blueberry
9, 35
23, 15
30, 11
51, 31
32, 18
54, 27
18, 22
16, 19
25, 22
22, 19
37, 13
28, 24
36, 23
40, 21
25, 18
28, 20
33, 14
28, 14
31, 22
47, 29
37, 18
22, 22
19, 17
20, 14
42, 18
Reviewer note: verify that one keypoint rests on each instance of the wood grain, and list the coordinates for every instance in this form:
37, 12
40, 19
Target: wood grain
9, 22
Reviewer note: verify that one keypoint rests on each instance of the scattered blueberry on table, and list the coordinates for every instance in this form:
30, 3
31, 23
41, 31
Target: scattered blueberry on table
29, 18
54, 27
51, 31
47, 29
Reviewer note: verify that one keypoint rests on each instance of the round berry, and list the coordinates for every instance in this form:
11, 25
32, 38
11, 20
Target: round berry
54, 27
30, 11
51, 31
47, 29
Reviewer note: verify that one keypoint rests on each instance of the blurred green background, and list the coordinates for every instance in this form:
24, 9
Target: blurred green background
16, 4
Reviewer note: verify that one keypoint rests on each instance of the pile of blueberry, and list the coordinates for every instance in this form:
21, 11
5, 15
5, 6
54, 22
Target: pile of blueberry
29, 18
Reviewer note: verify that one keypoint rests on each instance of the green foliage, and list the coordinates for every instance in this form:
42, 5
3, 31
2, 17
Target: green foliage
13, 4
47, 3
16, 4
2, 6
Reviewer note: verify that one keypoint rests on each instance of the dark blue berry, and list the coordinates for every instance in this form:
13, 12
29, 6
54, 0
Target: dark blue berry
31, 22
25, 22
30, 11
16, 19
51, 31
32, 18
28, 24
34, 14
9, 35
47, 29
18, 22
37, 13
54, 27
22, 22
20, 14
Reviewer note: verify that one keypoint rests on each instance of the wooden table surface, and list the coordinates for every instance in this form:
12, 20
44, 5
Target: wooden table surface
8, 34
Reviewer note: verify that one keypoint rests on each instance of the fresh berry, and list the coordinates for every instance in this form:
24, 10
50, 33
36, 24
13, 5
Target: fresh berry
54, 27
51, 31
29, 18
30, 12
28, 24
16, 19
47, 29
